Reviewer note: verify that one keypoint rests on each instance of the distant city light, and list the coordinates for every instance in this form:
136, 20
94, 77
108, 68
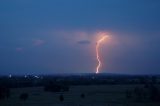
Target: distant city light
10, 76
25, 76
36, 76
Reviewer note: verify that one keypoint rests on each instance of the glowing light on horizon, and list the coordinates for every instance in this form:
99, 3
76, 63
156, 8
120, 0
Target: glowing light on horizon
97, 52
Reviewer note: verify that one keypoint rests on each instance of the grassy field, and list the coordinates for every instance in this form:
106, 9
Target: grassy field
94, 95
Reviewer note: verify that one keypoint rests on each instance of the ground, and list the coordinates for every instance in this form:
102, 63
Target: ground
95, 95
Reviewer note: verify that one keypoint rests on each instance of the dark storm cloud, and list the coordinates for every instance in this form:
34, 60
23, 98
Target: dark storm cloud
58, 24
84, 42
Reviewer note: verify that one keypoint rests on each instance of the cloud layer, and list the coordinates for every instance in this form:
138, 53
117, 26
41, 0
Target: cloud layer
50, 34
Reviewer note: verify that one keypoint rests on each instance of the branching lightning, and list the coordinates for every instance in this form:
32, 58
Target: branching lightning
97, 53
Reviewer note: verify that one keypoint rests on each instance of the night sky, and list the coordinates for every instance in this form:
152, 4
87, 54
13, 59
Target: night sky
59, 36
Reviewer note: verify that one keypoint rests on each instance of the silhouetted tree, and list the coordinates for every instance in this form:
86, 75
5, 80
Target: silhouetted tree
82, 95
24, 96
154, 79
61, 98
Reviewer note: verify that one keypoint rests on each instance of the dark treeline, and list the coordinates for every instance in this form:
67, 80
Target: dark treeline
30, 81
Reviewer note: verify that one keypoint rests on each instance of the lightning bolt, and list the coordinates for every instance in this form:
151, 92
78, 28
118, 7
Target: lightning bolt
97, 53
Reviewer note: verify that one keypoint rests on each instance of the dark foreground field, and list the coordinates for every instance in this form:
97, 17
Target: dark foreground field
113, 94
